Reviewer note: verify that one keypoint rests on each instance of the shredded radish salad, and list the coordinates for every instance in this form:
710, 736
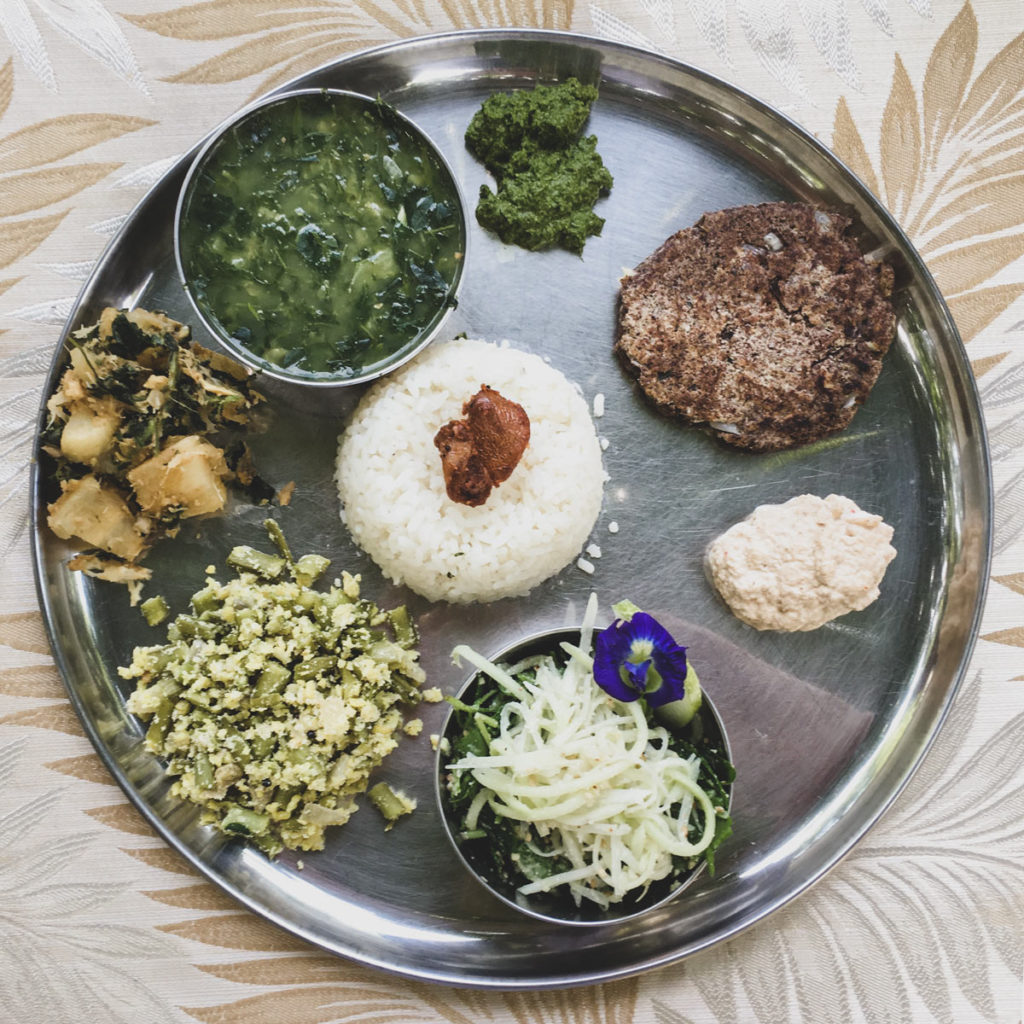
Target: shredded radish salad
564, 786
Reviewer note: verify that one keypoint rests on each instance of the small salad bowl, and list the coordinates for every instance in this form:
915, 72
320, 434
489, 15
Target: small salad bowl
484, 857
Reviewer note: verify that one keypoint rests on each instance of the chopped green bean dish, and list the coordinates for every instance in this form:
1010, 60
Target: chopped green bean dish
273, 702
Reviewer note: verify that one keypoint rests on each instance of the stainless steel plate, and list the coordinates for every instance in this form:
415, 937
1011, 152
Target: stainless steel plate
826, 727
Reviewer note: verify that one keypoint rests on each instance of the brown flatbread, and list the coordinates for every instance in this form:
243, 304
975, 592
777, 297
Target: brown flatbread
764, 324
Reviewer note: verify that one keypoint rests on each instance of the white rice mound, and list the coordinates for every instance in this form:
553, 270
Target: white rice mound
392, 489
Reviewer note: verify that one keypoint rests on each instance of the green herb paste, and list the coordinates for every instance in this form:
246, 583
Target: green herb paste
323, 235
548, 176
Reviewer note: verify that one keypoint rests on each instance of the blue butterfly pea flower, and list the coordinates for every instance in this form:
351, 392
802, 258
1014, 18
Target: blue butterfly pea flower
637, 657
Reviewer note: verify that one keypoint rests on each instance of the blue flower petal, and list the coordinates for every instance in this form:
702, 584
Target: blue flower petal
611, 648
625, 654
671, 666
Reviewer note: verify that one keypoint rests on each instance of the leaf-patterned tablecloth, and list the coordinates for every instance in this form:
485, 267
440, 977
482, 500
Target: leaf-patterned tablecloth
922, 922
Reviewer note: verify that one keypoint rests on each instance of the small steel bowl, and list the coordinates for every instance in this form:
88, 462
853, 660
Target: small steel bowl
253, 119
558, 907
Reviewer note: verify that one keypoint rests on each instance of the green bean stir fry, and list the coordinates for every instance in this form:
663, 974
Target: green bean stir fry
273, 702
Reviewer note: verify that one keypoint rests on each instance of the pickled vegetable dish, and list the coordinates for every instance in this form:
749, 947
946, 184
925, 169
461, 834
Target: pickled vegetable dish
323, 235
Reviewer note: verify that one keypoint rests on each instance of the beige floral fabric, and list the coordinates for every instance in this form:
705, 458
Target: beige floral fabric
922, 922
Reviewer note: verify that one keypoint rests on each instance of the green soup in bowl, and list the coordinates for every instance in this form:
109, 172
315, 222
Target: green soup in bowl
321, 237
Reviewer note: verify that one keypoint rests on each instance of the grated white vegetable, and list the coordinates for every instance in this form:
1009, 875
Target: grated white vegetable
595, 783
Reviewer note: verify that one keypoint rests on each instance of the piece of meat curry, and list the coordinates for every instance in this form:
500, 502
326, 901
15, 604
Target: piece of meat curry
480, 451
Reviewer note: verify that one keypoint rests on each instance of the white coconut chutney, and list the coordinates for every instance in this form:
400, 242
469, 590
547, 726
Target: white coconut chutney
798, 565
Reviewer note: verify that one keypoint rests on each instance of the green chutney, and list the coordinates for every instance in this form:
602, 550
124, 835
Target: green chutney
323, 235
549, 177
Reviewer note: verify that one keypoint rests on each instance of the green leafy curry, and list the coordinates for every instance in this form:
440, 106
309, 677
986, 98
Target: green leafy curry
323, 235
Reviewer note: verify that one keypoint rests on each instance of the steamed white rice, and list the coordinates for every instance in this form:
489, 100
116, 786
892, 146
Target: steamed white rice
392, 488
